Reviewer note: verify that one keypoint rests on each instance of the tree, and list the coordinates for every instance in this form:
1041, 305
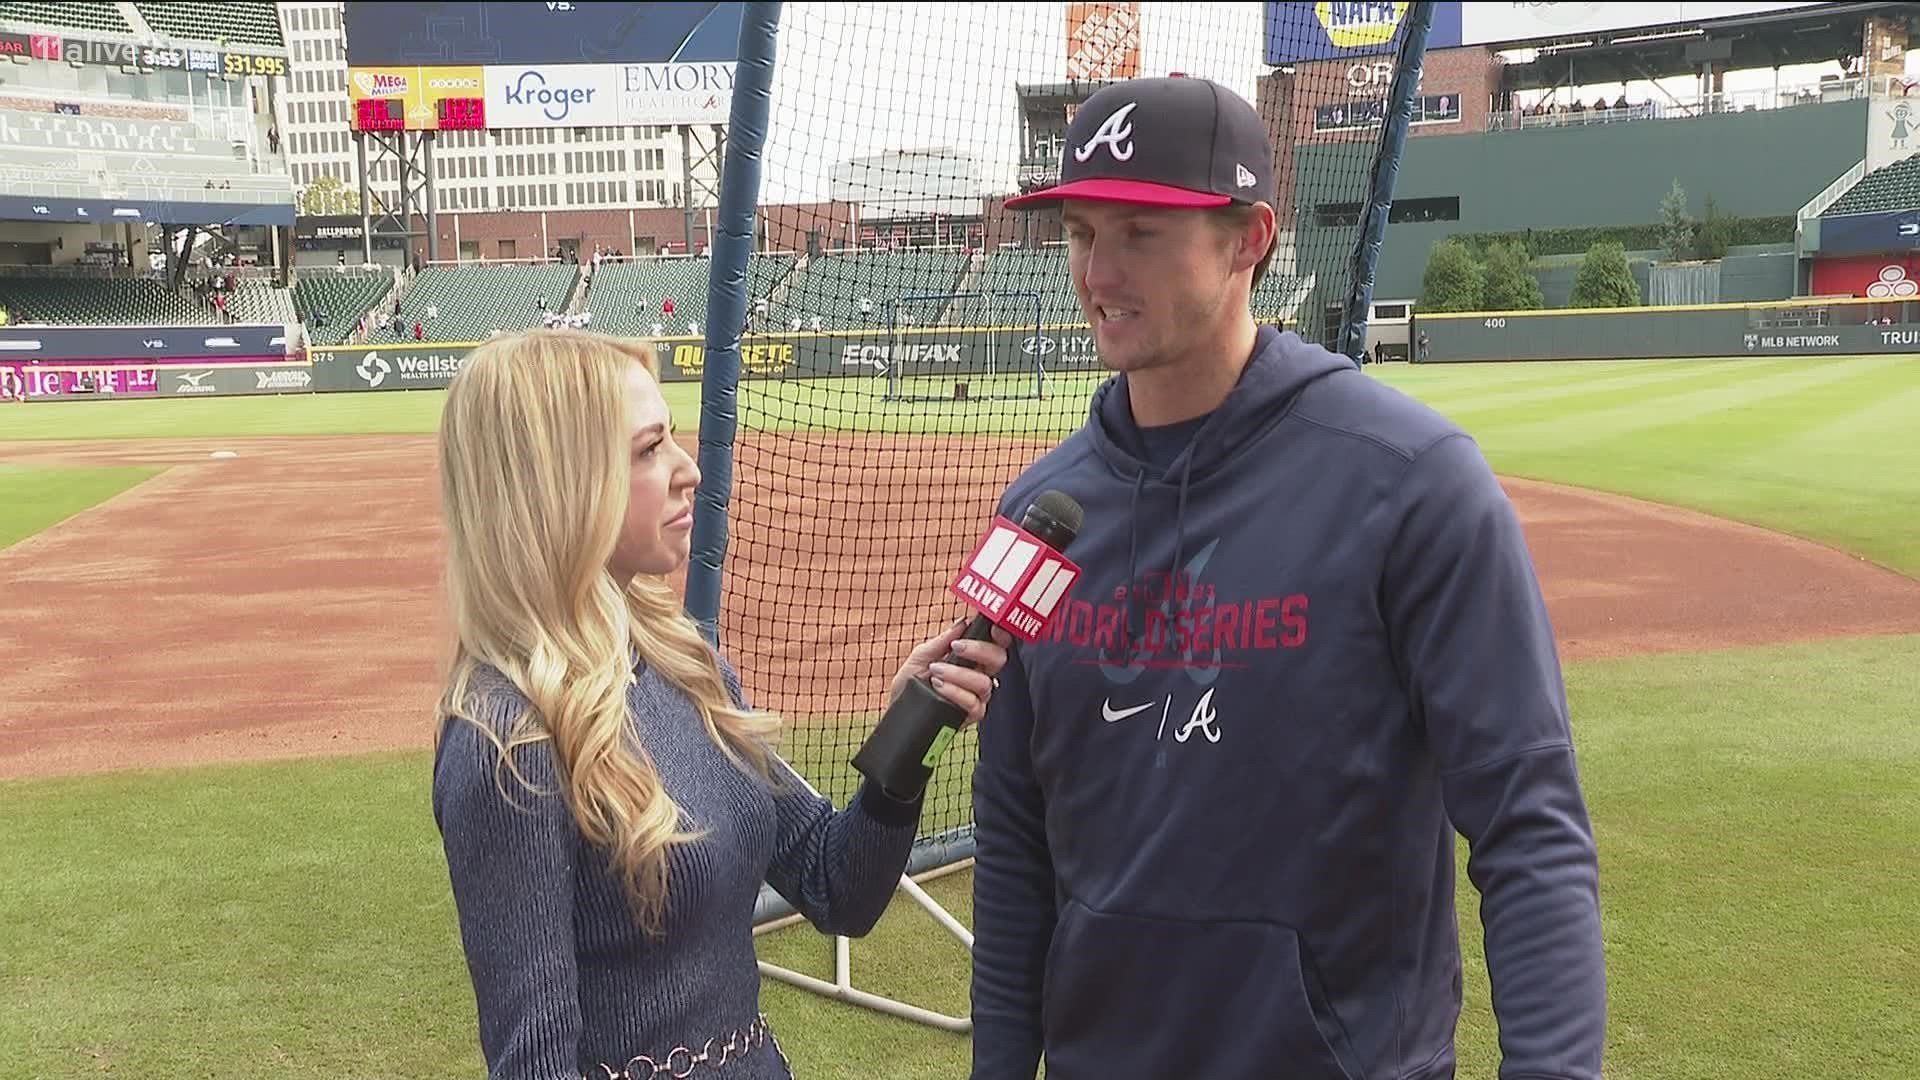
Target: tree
1454, 280
1510, 286
327, 195
1604, 280
1676, 228
1716, 233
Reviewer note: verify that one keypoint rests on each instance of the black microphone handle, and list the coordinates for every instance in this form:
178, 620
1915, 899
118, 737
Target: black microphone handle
980, 629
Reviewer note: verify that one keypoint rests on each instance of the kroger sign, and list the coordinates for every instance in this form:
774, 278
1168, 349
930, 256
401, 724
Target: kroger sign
556, 95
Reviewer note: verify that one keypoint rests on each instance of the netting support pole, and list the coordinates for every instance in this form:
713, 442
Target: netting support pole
1386, 166
727, 311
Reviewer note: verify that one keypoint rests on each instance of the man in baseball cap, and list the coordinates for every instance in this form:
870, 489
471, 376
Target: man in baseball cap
1215, 807
1177, 174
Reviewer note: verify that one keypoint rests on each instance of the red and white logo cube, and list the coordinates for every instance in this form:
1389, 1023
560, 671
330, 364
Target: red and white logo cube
1016, 580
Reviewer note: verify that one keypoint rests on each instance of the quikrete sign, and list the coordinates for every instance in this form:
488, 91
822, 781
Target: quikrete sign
766, 359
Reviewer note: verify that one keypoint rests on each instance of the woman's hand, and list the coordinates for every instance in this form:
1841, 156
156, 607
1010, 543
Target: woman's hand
968, 688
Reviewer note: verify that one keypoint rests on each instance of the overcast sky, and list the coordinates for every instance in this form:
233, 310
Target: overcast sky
859, 79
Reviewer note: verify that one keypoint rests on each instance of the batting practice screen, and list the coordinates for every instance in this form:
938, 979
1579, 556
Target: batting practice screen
893, 137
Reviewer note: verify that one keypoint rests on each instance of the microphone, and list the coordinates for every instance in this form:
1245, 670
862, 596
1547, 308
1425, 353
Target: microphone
1015, 580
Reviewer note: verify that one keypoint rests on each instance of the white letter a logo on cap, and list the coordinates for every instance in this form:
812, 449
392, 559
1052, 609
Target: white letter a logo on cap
1114, 131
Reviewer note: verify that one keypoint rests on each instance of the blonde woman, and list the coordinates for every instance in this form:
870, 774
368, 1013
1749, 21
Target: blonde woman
607, 799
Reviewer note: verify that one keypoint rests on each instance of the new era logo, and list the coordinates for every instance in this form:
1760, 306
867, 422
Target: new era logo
1242, 176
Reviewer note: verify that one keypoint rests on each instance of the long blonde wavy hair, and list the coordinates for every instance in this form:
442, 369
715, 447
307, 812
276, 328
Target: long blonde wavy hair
534, 474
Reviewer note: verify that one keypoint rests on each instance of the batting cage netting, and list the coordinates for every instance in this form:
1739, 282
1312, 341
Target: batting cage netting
907, 344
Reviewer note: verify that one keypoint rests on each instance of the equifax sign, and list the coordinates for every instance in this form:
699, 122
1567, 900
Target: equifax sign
1016, 580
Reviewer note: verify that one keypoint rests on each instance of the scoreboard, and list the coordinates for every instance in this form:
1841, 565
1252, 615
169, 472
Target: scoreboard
417, 98
463, 114
379, 114
494, 64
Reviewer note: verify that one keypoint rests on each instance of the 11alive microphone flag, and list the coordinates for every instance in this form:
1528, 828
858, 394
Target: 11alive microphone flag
1015, 579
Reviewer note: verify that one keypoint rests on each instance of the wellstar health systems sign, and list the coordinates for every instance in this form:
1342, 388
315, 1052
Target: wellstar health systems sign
429, 367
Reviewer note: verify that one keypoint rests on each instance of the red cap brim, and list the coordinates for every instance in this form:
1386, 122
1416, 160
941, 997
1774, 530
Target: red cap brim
1138, 192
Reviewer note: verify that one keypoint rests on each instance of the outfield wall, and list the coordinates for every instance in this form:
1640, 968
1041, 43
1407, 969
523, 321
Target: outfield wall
929, 350
93, 382
1808, 327
1805, 327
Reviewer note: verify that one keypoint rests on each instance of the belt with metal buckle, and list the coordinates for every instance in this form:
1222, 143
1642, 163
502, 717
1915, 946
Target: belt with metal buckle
681, 1061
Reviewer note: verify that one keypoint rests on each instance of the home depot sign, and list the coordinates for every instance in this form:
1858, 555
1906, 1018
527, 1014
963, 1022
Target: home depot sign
1103, 41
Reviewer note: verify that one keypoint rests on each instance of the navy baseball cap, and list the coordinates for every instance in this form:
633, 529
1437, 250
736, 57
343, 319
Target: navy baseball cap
1172, 141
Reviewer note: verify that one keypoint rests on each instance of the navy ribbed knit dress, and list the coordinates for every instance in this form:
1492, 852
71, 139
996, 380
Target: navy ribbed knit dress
565, 981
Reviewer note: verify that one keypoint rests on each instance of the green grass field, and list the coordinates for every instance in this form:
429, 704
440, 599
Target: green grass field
35, 499
1754, 808
1755, 830
1828, 449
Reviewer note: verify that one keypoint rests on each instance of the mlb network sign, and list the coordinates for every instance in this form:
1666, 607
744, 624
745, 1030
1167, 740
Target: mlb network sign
1016, 580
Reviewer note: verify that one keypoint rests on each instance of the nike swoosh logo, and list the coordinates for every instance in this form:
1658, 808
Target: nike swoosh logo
1112, 714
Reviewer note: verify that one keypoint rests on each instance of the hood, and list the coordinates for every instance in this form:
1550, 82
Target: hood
1281, 366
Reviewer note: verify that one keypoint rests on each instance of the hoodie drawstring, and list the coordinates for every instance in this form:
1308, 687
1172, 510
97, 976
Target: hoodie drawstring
1136, 634
1180, 529
1133, 560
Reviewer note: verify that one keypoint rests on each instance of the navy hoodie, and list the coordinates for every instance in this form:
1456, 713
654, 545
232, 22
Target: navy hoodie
1215, 807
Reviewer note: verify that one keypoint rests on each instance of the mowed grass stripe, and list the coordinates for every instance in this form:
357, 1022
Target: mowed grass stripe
1583, 419
1484, 392
1795, 477
1876, 435
1736, 452
1729, 432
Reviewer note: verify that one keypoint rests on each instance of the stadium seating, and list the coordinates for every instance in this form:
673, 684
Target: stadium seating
71, 301
1891, 187
1278, 297
344, 296
1044, 271
832, 286
68, 15
256, 300
243, 22
474, 301
1022, 271
626, 294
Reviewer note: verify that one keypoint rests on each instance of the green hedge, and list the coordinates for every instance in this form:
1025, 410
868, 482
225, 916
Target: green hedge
1577, 241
